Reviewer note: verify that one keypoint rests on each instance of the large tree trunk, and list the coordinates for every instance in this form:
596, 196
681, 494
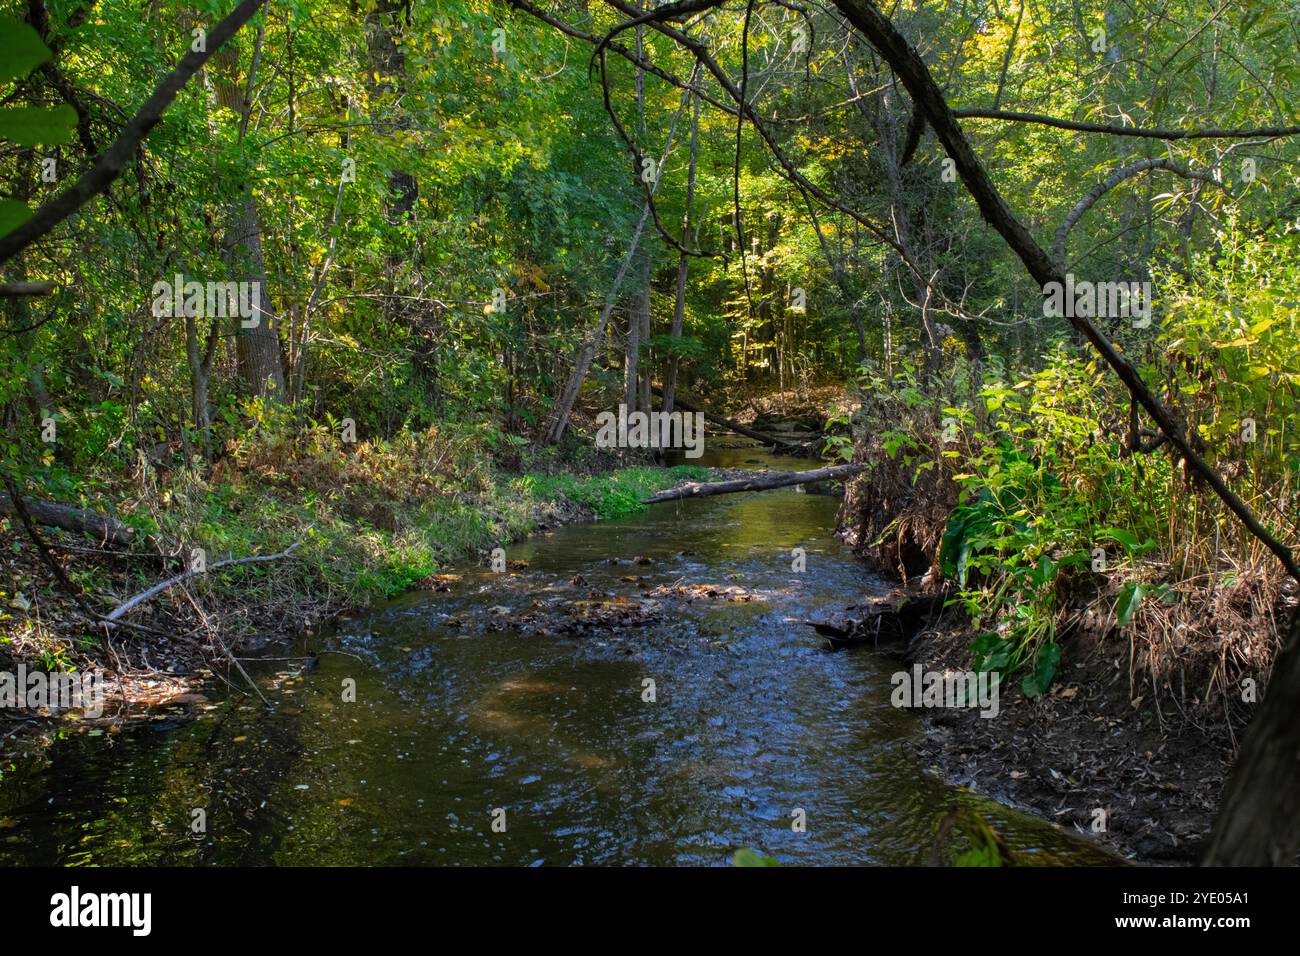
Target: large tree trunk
387, 63
1260, 808
257, 340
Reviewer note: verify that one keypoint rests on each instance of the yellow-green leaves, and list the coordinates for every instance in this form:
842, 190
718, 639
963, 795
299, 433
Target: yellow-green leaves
21, 51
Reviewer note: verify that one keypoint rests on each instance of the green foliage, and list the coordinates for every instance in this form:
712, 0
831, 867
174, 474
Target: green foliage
752, 858
1044, 476
614, 495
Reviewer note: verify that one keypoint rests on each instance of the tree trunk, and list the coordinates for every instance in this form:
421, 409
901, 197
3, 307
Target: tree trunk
388, 78
257, 340
635, 326
102, 528
587, 352
683, 260
1259, 812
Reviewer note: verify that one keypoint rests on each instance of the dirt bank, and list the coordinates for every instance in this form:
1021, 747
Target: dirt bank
1092, 753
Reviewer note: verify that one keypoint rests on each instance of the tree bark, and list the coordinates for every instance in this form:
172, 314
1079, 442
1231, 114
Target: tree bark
1260, 806
102, 528
587, 351
257, 340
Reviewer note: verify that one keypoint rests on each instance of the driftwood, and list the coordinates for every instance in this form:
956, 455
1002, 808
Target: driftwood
757, 483
162, 586
727, 423
101, 527
890, 619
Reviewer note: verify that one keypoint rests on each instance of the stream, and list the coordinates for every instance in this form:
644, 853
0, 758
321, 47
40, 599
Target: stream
464, 716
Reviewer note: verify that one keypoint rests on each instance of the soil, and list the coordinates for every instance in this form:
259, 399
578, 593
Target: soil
1093, 752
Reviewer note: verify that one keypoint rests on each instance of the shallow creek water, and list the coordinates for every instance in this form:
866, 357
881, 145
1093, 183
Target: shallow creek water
458, 714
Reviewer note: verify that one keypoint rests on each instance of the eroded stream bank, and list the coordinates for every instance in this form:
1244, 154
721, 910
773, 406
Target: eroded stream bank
526, 692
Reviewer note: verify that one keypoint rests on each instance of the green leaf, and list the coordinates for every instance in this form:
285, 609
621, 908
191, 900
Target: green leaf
1126, 538
21, 50
1037, 683
752, 858
13, 214
1130, 596
37, 126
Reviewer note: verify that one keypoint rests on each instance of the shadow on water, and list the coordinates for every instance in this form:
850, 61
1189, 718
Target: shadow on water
461, 711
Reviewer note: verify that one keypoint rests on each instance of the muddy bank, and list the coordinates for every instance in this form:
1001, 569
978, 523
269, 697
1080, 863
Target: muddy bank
1090, 753
1097, 753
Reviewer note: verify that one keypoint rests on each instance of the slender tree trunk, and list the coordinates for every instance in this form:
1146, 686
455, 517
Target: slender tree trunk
683, 260
257, 340
885, 120
632, 353
587, 352
388, 78
638, 322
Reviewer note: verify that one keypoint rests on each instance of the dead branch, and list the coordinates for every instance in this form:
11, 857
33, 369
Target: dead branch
188, 573
102, 528
11, 289
1109, 183
1111, 130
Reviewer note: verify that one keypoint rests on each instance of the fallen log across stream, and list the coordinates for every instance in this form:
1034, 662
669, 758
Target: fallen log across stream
761, 482
681, 404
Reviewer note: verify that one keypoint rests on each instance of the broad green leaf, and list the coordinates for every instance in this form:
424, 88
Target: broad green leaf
1037, 683
38, 126
21, 50
13, 214
1126, 538
1130, 596
752, 858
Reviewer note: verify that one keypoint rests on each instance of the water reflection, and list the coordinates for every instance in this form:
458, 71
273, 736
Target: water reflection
465, 707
